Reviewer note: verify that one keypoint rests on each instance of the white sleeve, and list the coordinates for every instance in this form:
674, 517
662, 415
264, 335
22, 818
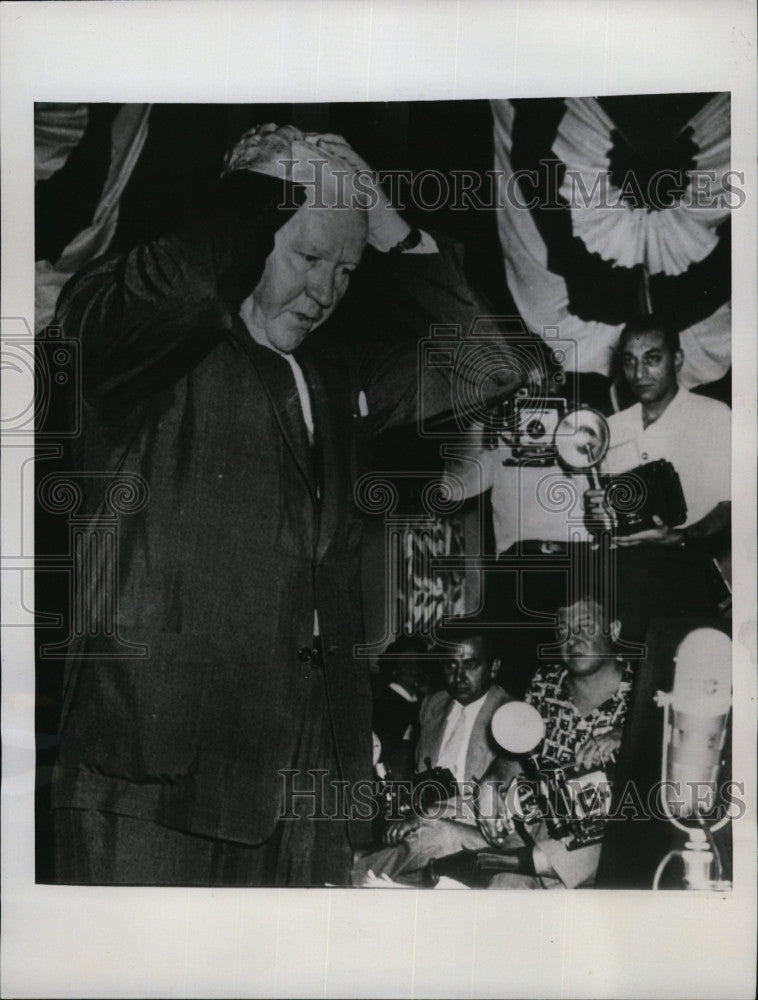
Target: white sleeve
717, 448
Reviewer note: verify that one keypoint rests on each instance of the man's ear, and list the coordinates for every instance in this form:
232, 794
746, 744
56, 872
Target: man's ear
495, 667
615, 629
678, 360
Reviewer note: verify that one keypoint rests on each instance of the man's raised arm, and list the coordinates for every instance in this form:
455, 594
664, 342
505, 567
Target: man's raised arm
147, 317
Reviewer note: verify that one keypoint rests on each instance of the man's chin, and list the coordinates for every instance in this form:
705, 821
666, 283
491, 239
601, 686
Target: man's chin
644, 395
287, 341
582, 666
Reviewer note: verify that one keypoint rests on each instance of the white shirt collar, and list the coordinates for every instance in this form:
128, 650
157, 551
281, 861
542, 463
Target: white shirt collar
663, 418
468, 714
472, 708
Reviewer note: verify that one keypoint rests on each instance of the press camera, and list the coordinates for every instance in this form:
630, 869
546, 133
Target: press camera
632, 499
542, 432
425, 792
574, 804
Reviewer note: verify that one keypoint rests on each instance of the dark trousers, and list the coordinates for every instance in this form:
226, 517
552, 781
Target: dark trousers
95, 847
104, 848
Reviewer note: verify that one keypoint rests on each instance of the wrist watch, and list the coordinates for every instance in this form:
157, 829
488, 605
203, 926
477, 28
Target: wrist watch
410, 242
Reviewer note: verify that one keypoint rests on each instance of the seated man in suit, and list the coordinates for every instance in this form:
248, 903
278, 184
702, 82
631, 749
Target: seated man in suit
583, 702
455, 734
395, 717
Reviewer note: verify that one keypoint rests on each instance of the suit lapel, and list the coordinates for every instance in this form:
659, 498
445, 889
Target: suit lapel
324, 466
278, 382
332, 446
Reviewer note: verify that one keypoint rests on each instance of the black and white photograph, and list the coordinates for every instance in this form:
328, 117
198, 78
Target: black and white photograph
387, 521
241, 325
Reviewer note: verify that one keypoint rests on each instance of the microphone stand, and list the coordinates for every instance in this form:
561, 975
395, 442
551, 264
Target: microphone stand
700, 850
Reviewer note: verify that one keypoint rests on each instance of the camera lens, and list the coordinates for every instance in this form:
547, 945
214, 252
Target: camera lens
535, 429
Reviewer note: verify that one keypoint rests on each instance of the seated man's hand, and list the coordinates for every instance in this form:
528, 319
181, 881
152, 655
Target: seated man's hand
400, 829
599, 751
661, 534
494, 831
492, 816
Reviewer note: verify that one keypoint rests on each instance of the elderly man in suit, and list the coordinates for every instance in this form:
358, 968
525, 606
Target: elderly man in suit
225, 676
455, 735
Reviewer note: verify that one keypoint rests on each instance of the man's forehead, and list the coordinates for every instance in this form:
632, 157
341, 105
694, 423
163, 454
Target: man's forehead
580, 610
638, 343
470, 646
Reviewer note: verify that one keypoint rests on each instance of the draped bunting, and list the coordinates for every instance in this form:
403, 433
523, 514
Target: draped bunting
59, 131
58, 128
608, 224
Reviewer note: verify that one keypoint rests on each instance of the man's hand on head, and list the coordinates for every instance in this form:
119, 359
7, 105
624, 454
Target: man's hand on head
314, 160
283, 151
265, 149
386, 228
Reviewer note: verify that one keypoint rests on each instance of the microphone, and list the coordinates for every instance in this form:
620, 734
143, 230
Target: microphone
694, 731
695, 726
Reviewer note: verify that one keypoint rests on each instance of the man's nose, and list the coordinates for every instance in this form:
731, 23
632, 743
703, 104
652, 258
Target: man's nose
321, 285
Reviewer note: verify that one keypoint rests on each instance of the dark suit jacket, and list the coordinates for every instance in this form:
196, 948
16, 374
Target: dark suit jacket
219, 571
481, 749
392, 717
